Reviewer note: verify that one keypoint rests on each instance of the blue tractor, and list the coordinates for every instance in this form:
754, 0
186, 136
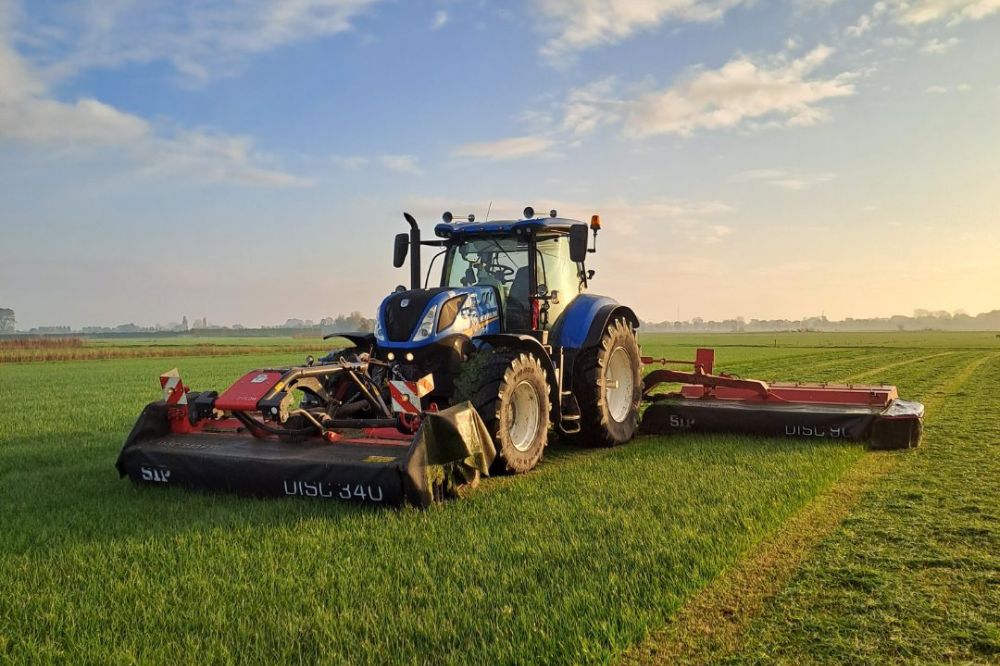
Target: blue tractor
463, 378
511, 327
468, 377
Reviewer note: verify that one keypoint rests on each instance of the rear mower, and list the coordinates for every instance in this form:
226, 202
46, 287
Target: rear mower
467, 378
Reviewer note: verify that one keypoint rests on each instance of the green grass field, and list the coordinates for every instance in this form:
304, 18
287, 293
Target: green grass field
579, 561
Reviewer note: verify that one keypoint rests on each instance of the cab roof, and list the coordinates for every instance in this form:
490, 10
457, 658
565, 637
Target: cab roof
553, 225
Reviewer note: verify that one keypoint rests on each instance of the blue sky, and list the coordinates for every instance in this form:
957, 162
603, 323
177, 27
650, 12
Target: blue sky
249, 161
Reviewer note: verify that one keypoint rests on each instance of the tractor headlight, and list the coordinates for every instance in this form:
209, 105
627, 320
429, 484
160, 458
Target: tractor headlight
426, 328
450, 311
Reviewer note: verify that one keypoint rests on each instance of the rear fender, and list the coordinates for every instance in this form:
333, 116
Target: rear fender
582, 325
584, 320
605, 315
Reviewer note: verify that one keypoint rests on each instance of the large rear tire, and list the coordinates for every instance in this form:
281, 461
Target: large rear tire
608, 387
513, 401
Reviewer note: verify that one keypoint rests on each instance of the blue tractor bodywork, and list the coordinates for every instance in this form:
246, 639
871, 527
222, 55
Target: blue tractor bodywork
500, 300
476, 312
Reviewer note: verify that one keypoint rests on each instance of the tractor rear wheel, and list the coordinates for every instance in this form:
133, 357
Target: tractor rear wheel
513, 400
608, 387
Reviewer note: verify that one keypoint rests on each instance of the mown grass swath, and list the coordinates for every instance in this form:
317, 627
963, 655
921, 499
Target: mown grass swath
914, 573
574, 562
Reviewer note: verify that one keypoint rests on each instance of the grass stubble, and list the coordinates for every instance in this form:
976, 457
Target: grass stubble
579, 561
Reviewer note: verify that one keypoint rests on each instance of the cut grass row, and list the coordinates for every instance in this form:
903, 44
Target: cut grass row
913, 574
715, 622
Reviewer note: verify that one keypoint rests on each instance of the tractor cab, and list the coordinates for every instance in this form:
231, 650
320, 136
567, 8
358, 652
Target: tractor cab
532, 266
514, 276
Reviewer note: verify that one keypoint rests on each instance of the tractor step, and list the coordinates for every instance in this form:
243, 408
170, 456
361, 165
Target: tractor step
569, 414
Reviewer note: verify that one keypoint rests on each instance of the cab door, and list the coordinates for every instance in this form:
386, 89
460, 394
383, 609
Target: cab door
558, 275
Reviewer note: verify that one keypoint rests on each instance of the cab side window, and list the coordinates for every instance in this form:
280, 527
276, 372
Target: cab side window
557, 273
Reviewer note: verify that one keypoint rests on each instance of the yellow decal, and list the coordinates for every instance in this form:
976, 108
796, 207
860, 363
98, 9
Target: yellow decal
378, 459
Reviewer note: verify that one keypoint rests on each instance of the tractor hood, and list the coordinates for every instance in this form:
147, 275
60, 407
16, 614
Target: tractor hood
422, 316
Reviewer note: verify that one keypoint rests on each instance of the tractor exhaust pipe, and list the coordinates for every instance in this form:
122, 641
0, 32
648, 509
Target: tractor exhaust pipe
414, 252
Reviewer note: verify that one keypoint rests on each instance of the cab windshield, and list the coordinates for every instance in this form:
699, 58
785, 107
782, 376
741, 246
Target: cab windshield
502, 263
487, 261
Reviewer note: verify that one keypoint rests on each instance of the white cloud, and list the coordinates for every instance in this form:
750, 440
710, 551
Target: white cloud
440, 18
752, 93
917, 12
200, 39
938, 46
397, 163
740, 91
863, 25
352, 162
591, 106
580, 24
505, 149
213, 157
689, 220
30, 115
400, 163
936, 90
785, 180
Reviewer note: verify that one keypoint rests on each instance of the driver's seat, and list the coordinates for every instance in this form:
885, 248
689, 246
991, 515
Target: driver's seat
518, 311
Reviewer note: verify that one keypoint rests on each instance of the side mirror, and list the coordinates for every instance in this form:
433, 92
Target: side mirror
400, 247
578, 243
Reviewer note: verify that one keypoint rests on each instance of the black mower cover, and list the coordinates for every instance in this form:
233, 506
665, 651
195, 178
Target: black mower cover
897, 426
451, 448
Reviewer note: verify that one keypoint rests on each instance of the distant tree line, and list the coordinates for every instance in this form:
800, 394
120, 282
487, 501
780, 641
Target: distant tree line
921, 320
350, 323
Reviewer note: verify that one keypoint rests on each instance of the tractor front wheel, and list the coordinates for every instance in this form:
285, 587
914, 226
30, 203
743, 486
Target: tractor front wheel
608, 387
513, 401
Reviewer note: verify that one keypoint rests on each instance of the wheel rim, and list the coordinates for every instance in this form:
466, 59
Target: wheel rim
619, 384
523, 416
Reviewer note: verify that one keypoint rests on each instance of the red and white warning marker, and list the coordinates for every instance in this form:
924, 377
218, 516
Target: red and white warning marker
174, 391
406, 395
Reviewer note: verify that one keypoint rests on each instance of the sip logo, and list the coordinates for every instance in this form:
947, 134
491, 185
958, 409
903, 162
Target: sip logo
155, 474
680, 422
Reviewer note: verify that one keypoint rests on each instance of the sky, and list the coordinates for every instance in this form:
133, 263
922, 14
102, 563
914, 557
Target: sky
250, 161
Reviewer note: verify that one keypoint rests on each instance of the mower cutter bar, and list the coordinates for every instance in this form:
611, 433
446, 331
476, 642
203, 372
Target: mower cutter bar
724, 403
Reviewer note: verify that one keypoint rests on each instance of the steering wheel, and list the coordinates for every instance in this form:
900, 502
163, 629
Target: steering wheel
501, 272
